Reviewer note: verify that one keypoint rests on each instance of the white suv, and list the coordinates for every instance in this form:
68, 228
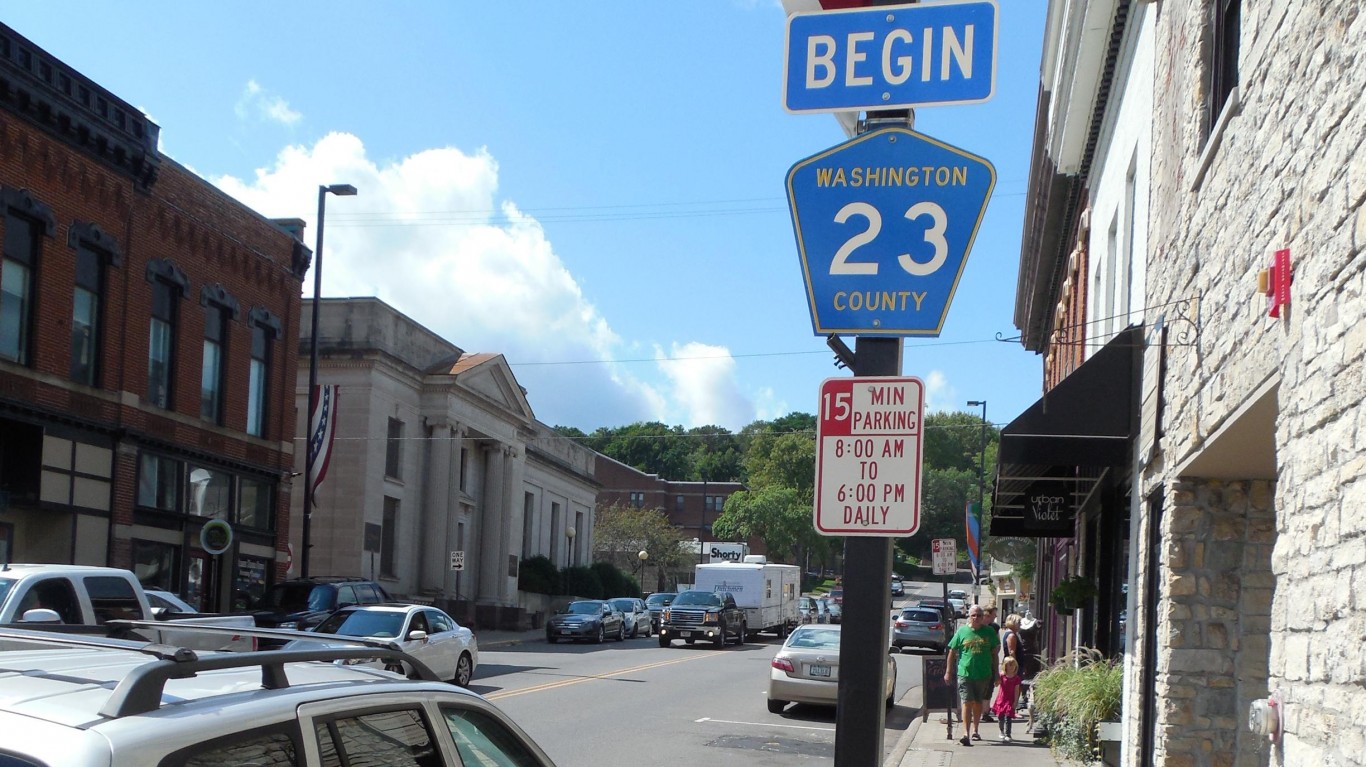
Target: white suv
81, 701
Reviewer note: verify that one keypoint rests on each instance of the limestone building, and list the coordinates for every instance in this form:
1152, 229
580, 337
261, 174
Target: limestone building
437, 451
1235, 498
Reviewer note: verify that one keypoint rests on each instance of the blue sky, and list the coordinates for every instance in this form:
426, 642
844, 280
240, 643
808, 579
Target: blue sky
594, 190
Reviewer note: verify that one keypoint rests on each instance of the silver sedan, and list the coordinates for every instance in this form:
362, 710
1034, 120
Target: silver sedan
426, 633
637, 615
807, 669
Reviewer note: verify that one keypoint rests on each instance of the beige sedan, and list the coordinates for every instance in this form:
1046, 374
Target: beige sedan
807, 668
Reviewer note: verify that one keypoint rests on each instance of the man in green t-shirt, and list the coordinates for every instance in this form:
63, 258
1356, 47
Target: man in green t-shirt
972, 654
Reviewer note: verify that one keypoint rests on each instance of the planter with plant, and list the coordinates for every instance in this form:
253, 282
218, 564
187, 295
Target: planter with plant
1071, 593
1074, 696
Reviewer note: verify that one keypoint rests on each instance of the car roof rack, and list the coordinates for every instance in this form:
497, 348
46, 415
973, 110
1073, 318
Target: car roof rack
189, 625
141, 690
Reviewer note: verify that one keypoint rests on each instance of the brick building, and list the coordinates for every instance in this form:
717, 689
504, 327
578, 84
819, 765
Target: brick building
146, 326
692, 507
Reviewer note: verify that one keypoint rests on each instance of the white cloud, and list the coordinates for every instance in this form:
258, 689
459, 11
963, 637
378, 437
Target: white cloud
703, 387
940, 396
427, 234
255, 103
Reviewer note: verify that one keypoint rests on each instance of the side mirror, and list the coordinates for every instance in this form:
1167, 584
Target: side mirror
417, 635
160, 613
41, 615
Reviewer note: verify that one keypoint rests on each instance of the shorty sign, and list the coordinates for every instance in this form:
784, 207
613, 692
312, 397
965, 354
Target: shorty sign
868, 456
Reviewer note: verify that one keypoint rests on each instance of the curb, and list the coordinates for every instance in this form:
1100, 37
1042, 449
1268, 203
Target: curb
903, 743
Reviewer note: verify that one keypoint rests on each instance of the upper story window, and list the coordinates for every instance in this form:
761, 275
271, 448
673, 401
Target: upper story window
393, 454
211, 377
94, 251
25, 222
167, 285
1226, 26
219, 309
265, 328
637, 500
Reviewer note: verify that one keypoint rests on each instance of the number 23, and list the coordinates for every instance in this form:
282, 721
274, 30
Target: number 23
934, 235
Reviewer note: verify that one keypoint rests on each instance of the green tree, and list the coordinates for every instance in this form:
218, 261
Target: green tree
620, 533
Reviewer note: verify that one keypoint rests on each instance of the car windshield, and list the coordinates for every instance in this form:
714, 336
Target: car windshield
296, 597
624, 605
661, 600
814, 639
584, 608
700, 598
5, 585
921, 616
363, 623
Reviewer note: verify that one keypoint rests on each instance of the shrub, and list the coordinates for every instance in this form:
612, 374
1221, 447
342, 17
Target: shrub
538, 575
582, 582
1073, 696
614, 582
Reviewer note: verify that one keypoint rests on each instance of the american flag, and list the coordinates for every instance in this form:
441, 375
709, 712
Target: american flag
322, 428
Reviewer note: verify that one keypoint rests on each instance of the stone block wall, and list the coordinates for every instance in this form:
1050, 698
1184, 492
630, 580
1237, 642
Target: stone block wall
1286, 169
1214, 624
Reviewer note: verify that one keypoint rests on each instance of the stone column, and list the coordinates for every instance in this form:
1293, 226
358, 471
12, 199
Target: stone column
436, 508
515, 465
492, 519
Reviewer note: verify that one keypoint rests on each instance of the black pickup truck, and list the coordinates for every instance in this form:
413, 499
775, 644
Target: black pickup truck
705, 615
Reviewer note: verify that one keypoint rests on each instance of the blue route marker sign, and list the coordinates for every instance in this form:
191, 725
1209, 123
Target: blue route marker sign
891, 57
884, 224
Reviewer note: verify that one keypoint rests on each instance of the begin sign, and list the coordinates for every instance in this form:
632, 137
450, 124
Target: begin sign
868, 456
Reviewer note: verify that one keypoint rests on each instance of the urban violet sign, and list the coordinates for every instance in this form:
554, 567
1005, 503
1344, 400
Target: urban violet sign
1049, 509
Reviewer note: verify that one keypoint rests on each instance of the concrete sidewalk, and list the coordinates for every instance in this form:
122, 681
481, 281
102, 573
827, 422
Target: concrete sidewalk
927, 744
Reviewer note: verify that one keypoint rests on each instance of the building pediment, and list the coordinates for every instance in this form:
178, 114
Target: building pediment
489, 377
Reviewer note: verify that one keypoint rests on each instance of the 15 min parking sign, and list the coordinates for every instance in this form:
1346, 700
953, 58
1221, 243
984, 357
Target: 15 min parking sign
869, 437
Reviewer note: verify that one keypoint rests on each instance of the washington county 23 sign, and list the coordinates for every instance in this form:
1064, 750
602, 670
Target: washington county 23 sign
884, 223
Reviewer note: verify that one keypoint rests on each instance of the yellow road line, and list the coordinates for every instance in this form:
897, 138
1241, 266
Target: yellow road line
581, 679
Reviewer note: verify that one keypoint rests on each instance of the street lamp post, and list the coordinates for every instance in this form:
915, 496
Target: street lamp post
642, 555
981, 490
311, 449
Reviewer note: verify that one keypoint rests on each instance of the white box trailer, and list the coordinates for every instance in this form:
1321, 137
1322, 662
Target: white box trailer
768, 593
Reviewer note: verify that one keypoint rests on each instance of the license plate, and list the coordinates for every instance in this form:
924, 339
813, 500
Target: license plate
685, 634
818, 670
566, 631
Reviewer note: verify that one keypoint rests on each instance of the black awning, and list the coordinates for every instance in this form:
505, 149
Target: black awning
1052, 455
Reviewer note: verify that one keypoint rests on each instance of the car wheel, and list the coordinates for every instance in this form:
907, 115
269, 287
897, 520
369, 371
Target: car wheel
602, 635
744, 632
664, 641
635, 629
720, 640
464, 670
621, 632
649, 630
776, 706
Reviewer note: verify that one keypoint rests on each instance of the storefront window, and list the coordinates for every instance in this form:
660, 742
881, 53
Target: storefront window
254, 504
250, 583
155, 564
158, 479
209, 493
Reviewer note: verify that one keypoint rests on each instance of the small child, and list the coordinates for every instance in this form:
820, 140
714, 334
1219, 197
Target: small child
1007, 694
